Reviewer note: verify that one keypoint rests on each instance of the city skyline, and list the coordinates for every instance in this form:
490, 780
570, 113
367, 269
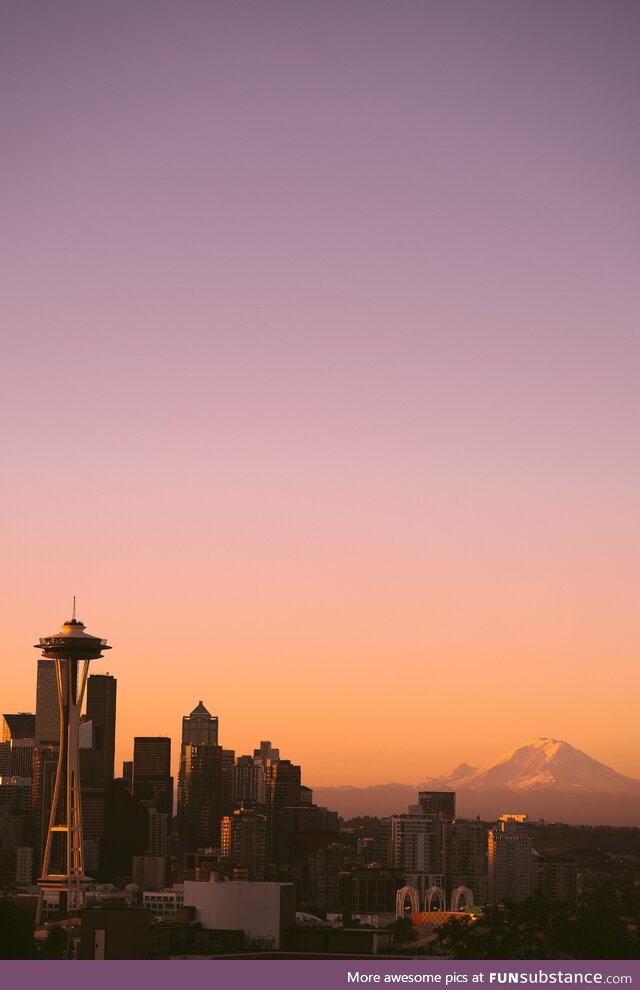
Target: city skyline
320, 379
590, 775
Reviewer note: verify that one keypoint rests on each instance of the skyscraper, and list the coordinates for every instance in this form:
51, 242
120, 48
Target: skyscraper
47, 726
45, 755
96, 761
153, 787
200, 728
152, 780
282, 790
248, 782
101, 711
201, 802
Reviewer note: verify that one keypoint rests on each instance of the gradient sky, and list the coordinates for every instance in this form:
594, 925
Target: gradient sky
320, 363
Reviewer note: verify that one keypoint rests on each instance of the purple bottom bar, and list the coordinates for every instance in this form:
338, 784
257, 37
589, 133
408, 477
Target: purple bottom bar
316, 974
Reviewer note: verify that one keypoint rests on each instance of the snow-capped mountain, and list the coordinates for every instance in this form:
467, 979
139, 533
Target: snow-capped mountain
544, 778
542, 763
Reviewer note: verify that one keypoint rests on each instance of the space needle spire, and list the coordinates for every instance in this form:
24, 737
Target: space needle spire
63, 863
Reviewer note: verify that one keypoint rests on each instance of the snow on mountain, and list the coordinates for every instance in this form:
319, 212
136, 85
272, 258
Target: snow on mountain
541, 763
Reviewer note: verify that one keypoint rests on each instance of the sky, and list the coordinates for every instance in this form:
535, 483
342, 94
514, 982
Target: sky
319, 370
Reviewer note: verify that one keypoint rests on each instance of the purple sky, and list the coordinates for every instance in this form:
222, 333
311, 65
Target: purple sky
320, 362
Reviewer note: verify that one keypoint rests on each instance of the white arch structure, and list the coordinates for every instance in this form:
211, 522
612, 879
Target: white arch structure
401, 900
461, 893
437, 894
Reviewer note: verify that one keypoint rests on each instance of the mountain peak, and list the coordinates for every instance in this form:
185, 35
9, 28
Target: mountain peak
541, 763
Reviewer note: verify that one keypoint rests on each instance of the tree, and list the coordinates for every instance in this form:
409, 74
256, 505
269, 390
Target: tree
403, 932
604, 925
16, 932
55, 945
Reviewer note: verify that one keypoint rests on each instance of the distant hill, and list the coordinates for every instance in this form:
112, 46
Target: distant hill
379, 800
544, 778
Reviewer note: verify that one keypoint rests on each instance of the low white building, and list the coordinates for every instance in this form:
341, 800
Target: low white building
164, 904
261, 910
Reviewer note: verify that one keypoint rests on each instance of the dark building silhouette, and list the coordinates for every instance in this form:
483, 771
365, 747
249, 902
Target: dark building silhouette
199, 727
200, 796
266, 753
108, 933
18, 743
15, 812
465, 856
127, 774
125, 833
248, 782
45, 764
282, 785
153, 787
555, 879
244, 842
19, 726
439, 803
369, 890
204, 781
282, 790
152, 782
96, 762
47, 726
324, 870
101, 712
45, 756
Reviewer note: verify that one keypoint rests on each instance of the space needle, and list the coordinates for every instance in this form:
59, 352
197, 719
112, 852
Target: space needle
63, 863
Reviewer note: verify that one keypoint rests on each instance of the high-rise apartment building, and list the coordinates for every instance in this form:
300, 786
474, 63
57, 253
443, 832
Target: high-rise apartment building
16, 865
244, 841
555, 879
509, 860
465, 857
248, 782
416, 842
325, 868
